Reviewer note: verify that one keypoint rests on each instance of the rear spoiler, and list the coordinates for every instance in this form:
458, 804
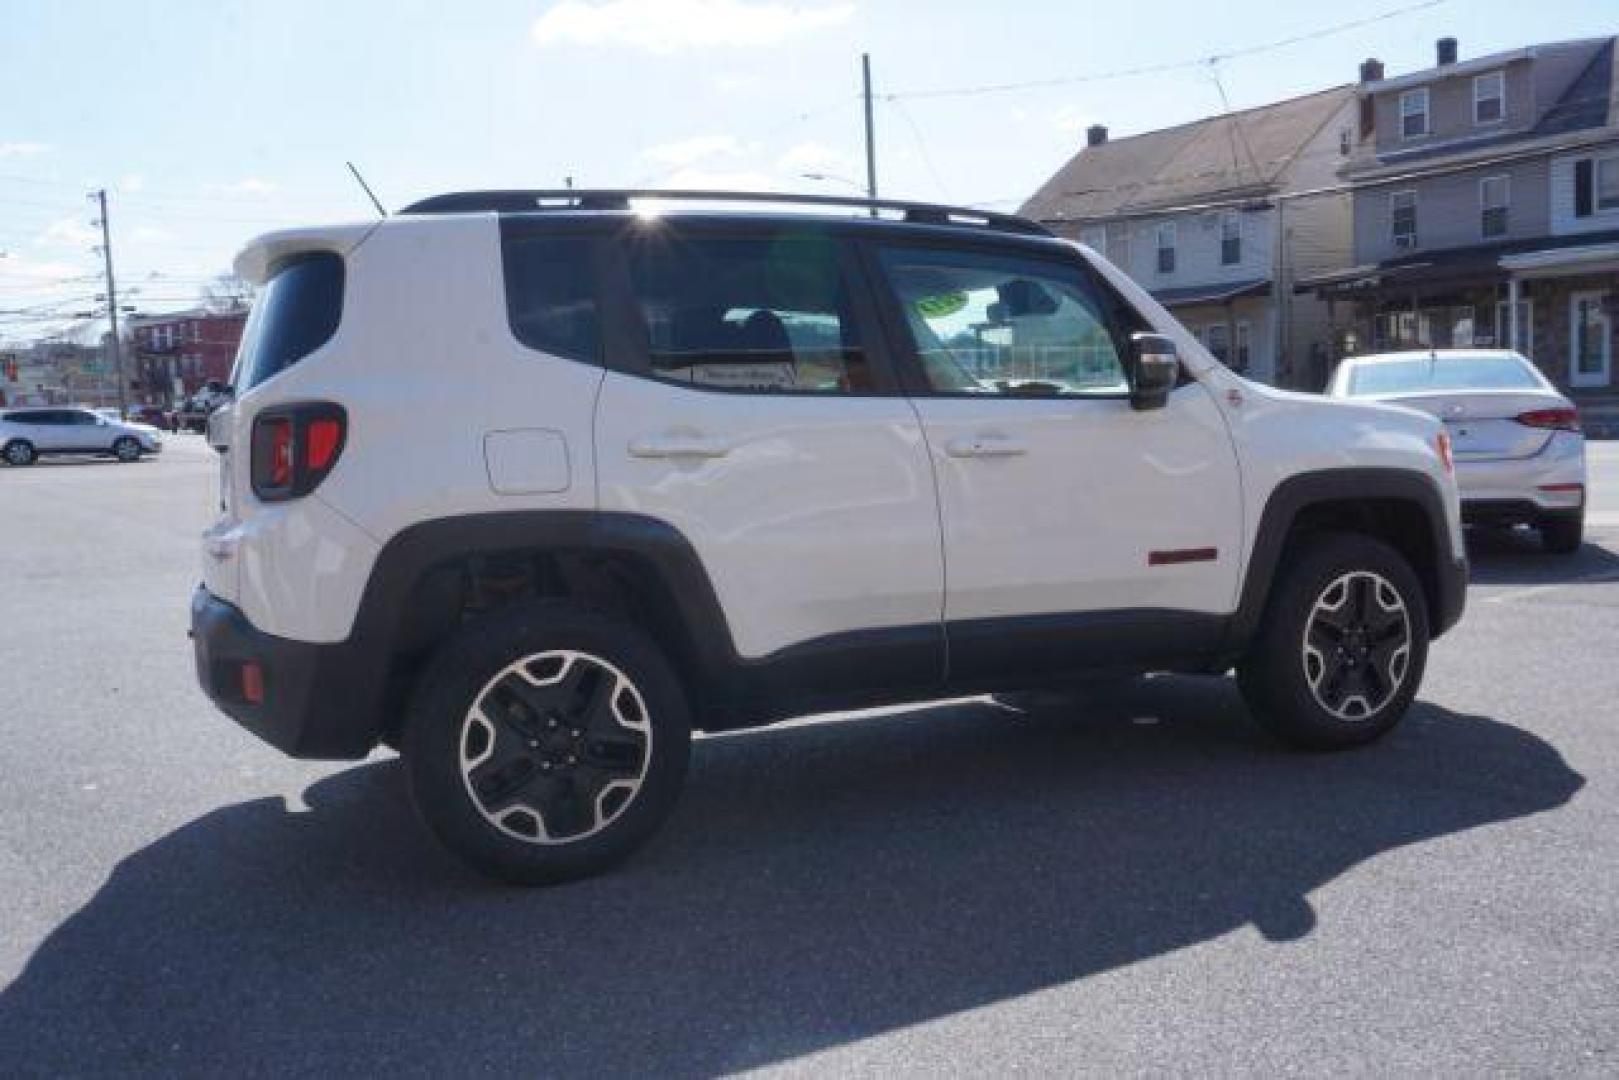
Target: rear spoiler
262, 253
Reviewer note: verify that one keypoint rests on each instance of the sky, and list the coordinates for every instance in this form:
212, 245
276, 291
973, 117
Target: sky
210, 121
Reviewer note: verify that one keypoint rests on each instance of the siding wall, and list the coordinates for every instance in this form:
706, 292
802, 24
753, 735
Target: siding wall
1450, 109
1449, 211
1563, 221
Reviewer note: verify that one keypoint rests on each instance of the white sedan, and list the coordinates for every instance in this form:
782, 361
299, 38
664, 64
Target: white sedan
28, 434
1520, 456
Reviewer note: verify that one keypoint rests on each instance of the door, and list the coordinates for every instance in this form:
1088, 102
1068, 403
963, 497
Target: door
1590, 340
1078, 532
56, 430
754, 410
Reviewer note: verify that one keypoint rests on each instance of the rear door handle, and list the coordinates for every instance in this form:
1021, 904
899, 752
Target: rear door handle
985, 445
679, 446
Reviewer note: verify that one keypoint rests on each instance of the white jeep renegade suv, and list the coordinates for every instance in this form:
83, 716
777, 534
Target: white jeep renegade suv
531, 484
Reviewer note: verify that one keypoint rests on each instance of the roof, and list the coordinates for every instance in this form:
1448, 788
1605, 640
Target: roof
1216, 293
1476, 65
1233, 155
1448, 263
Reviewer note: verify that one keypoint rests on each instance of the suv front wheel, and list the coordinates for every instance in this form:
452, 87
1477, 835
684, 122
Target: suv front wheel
1342, 646
547, 743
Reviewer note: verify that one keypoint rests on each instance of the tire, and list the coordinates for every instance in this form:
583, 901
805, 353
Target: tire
1325, 670
19, 452
582, 762
126, 449
1563, 536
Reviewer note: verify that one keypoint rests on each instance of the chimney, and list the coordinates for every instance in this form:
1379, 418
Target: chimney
1371, 70
1095, 135
1445, 48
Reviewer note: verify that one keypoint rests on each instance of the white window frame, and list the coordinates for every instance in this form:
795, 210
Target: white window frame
1421, 93
1603, 376
1484, 206
1165, 228
1242, 339
1597, 163
1479, 81
1234, 219
1394, 237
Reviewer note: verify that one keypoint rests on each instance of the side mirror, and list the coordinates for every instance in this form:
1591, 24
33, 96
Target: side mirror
1155, 368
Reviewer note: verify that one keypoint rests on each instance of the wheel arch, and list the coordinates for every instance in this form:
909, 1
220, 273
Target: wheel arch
1402, 507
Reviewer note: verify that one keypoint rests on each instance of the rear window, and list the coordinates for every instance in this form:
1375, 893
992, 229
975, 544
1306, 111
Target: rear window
1445, 373
295, 313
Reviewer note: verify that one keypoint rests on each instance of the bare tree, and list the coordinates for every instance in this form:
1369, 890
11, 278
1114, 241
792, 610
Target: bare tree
226, 293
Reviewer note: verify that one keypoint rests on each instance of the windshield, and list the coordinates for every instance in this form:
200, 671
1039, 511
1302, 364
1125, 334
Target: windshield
1417, 375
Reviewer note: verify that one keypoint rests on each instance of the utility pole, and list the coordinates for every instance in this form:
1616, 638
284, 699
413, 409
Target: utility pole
871, 145
112, 307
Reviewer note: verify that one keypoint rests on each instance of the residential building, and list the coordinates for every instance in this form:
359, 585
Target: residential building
1205, 217
176, 354
1486, 209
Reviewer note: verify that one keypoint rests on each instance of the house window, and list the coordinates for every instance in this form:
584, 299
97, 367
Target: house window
1219, 341
1166, 248
1403, 218
1230, 238
1490, 98
1245, 338
1414, 113
1607, 182
1493, 192
1095, 238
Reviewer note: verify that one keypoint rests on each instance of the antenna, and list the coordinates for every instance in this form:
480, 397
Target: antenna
367, 189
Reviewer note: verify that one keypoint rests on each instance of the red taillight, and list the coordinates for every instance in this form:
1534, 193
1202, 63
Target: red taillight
294, 447
1553, 419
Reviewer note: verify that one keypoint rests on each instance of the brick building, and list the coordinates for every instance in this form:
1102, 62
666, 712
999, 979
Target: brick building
175, 354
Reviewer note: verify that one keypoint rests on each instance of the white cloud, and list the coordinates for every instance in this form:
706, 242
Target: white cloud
147, 234
668, 26
733, 84
22, 149
693, 179
683, 152
131, 182
817, 158
1069, 120
69, 232
252, 185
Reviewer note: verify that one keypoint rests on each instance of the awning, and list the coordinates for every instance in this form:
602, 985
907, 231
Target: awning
1446, 266
1554, 262
1211, 294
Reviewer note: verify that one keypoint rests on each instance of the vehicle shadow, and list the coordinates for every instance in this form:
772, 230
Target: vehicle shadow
820, 883
1515, 557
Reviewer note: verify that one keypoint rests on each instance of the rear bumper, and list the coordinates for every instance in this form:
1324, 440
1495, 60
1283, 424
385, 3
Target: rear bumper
1517, 512
1525, 489
317, 702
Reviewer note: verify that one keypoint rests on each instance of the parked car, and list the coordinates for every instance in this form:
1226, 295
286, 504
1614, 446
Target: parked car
710, 469
1520, 454
28, 434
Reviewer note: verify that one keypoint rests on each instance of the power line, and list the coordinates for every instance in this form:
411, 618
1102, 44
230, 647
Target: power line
1175, 65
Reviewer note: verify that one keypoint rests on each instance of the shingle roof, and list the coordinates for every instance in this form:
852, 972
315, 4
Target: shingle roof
1229, 156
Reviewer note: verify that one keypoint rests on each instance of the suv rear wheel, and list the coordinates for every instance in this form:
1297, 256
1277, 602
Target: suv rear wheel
1342, 646
546, 744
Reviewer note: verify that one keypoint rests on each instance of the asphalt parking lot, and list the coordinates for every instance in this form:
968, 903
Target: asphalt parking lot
1143, 885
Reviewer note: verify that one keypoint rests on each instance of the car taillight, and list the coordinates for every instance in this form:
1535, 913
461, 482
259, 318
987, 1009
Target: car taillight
295, 447
1441, 443
1554, 419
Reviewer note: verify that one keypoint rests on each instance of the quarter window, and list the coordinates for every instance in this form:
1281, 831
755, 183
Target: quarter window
1403, 218
1493, 193
766, 314
297, 312
1489, 98
1414, 113
991, 324
550, 297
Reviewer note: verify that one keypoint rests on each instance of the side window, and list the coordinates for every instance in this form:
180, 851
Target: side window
551, 296
993, 324
766, 314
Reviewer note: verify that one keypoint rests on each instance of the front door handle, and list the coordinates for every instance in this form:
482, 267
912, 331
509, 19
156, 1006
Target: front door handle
679, 446
985, 445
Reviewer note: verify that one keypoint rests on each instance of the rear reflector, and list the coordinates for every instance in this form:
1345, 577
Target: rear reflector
252, 683
1551, 419
1563, 489
1441, 443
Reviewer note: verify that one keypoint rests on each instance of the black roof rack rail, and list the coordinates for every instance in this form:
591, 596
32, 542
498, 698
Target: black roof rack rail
523, 202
